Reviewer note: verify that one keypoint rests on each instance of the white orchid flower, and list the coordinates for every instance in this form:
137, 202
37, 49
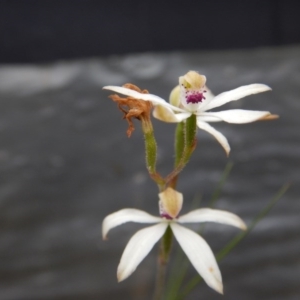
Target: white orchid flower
191, 96
194, 246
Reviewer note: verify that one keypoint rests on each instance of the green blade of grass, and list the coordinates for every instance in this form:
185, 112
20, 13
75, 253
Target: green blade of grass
216, 194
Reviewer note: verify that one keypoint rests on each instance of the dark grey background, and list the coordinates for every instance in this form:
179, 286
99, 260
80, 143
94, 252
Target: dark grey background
39, 31
66, 163
65, 160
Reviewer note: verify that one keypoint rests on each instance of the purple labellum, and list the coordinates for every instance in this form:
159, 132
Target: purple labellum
166, 216
195, 98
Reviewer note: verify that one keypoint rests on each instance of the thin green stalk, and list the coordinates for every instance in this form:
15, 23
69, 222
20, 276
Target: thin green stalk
216, 194
179, 150
164, 253
190, 130
179, 270
217, 191
151, 155
257, 219
179, 142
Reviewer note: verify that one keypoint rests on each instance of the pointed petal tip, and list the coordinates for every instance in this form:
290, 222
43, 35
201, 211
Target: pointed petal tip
109, 87
119, 89
267, 88
217, 286
220, 289
243, 226
227, 151
217, 134
122, 274
226, 148
269, 117
261, 87
120, 277
104, 231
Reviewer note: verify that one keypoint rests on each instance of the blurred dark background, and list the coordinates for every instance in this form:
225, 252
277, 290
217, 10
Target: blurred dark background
66, 162
40, 31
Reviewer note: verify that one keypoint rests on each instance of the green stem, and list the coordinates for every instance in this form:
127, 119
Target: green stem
183, 154
179, 142
151, 154
179, 152
190, 133
164, 253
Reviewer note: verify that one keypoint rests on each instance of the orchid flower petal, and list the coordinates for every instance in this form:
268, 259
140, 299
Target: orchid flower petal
200, 255
166, 114
138, 247
207, 117
147, 97
126, 215
239, 116
217, 134
235, 94
212, 215
208, 94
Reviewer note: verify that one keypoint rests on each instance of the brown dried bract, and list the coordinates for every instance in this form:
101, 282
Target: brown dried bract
133, 108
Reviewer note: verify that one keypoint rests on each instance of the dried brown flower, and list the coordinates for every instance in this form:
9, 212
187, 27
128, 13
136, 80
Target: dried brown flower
134, 108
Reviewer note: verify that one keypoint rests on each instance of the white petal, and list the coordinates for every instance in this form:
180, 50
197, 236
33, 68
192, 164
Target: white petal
191, 107
238, 116
208, 98
208, 94
212, 215
147, 97
200, 256
182, 116
207, 117
167, 115
217, 134
138, 247
235, 94
126, 215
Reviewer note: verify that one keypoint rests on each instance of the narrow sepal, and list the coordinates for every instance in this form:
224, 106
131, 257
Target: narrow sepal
138, 247
236, 94
217, 134
200, 256
238, 116
147, 97
126, 215
212, 215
